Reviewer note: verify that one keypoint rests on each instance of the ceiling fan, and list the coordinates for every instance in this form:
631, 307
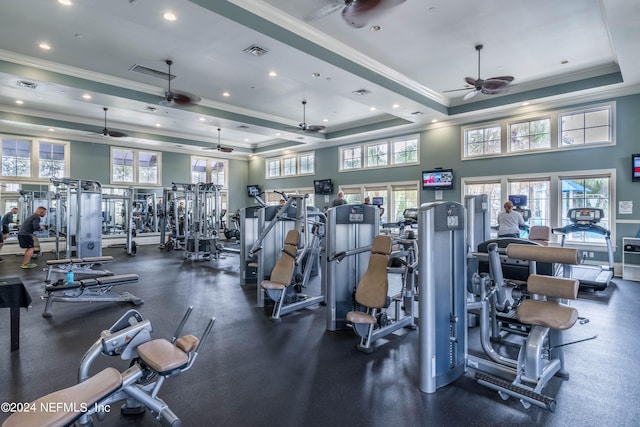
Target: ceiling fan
491, 86
221, 148
173, 97
111, 133
356, 13
304, 126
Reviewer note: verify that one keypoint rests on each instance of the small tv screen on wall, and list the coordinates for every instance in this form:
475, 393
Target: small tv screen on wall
437, 179
635, 167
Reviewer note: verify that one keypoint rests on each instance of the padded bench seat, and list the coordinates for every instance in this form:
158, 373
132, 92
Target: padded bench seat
112, 280
162, 356
88, 260
98, 281
85, 394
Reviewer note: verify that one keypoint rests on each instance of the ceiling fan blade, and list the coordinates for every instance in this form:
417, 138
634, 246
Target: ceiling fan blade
503, 78
332, 6
314, 128
225, 149
470, 80
494, 85
456, 90
470, 95
116, 134
358, 13
181, 98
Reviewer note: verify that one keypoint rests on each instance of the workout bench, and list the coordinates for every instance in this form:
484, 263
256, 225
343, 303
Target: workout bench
89, 290
78, 266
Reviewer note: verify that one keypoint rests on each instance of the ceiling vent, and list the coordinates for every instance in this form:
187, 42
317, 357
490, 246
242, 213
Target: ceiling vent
361, 92
150, 109
417, 113
243, 127
151, 72
255, 50
24, 83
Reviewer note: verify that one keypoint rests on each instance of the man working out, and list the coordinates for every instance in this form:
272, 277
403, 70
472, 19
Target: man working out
25, 235
6, 220
340, 200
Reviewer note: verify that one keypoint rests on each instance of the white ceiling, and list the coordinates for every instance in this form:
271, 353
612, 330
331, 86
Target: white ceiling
424, 47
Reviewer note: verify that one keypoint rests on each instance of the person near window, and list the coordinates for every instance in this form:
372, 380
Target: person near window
339, 200
7, 219
509, 221
25, 236
367, 200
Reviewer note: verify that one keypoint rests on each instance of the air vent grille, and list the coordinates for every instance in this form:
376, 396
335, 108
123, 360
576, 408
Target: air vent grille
151, 72
27, 84
255, 50
417, 113
361, 92
243, 127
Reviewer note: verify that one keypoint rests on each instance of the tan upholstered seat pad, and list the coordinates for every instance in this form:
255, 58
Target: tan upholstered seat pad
268, 284
543, 253
547, 313
556, 287
162, 356
374, 284
360, 317
187, 343
84, 394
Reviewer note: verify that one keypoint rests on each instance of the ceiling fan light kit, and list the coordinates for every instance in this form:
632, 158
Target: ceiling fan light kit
304, 126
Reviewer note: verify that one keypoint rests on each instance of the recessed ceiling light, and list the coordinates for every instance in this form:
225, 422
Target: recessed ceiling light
86, 96
375, 28
278, 134
524, 104
157, 125
225, 93
246, 140
202, 119
325, 120
372, 109
395, 106
52, 130
434, 121
19, 102
169, 16
272, 74
65, 2
44, 46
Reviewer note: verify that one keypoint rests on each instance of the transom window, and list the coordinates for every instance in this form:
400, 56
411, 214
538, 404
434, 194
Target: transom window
555, 130
482, 141
588, 127
394, 152
16, 158
290, 165
208, 170
530, 135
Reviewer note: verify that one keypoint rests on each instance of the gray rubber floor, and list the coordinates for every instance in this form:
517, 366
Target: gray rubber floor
254, 372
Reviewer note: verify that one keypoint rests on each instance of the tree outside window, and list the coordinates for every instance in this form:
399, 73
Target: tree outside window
16, 158
122, 161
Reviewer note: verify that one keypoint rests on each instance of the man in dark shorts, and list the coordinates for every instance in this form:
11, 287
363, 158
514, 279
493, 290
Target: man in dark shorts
6, 220
25, 235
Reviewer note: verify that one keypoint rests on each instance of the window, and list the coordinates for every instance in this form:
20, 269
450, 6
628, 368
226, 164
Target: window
482, 141
397, 151
51, 160
586, 192
379, 191
208, 171
307, 163
377, 155
289, 166
530, 135
550, 196
352, 194
273, 168
404, 196
135, 167
16, 158
273, 198
557, 130
351, 158
147, 168
122, 165
397, 196
493, 190
586, 127
538, 198
405, 151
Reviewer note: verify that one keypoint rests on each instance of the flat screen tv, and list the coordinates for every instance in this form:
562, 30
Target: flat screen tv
518, 200
253, 190
323, 186
378, 201
437, 179
635, 167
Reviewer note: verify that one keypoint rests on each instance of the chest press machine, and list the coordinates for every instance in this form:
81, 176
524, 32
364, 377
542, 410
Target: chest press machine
153, 361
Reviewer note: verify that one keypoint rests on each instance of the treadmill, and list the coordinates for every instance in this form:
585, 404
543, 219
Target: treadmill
586, 220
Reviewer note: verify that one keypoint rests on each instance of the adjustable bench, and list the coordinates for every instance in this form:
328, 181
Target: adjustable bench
97, 289
77, 265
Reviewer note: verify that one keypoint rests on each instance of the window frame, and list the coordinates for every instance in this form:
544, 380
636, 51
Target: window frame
390, 154
209, 169
297, 161
35, 158
136, 167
